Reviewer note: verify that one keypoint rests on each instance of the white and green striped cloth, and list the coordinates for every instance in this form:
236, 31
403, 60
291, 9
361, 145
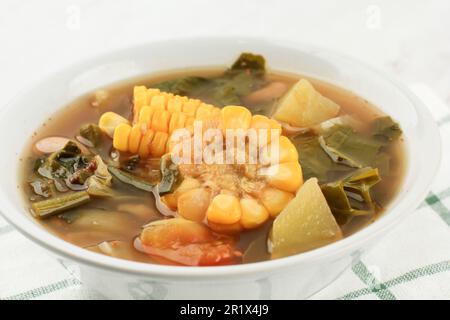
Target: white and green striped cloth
412, 262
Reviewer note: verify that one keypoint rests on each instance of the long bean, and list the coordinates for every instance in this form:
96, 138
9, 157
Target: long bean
46, 208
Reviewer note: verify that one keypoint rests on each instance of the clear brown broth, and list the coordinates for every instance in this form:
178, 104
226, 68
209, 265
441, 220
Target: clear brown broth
136, 208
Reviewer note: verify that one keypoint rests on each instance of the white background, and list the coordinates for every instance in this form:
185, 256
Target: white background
409, 38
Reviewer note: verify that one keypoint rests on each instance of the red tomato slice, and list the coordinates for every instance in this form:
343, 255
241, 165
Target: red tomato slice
186, 242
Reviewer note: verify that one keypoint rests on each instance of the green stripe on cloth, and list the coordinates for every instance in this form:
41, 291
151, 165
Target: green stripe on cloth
436, 204
429, 270
6, 229
38, 292
441, 195
372, 282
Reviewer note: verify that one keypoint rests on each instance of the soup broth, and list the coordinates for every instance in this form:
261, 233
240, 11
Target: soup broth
110, 225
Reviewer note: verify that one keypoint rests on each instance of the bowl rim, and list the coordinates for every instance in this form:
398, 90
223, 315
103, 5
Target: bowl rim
16, 217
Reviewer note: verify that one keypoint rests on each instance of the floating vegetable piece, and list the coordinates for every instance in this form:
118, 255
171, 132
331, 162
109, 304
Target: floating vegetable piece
249, 61
386, 129
305, 224
99, 184
314, 160
92, 133
270, 92
186, 242
182, 86
345, 146
303, 106
41, 188
351, 196
169, 175
46, 208
50, 144
62, 164
345, 120
131, 179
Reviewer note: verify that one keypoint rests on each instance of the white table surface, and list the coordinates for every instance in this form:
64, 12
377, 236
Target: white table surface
407, 38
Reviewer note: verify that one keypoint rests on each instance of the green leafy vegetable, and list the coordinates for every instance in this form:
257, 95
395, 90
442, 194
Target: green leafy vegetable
314, 160
350, 196
249, 61
41, 188
99, 184
46, 208
245, 75
345, 146
386, 129
92, 133
185, 86
131, 179
169, 175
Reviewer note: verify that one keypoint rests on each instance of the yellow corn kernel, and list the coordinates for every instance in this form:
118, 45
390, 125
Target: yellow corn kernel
175, 104
158, 144
274, 200
170, 201
186, 185
204, 111
159, 102
253, 213
139, 98
144, 147
121, 137
190, 107
135, 138
217, 113
145, 116
224, 209
177, 121
160, 120
109, 121
286, 176
189, 122
287, 151
236, 117
266, 126
192, 204
150, 94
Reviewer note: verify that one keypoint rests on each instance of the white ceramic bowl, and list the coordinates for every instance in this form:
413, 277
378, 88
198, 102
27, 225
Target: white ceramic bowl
297, 276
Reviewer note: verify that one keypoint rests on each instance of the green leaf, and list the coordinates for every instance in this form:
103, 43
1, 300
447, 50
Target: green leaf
386, 129
249, 61
185, 86
92, 133
131, 179
314, 160
350, 196
169, 175
345, 146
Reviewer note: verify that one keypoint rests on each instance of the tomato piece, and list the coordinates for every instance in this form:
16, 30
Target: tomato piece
187, 243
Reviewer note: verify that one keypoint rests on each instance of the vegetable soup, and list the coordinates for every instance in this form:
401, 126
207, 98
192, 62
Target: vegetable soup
213, 166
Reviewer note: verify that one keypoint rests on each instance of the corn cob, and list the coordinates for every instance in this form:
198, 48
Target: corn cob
156, 115
227, 201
